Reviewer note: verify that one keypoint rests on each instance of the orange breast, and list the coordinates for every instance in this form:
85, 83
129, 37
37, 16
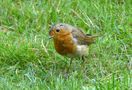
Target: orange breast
64, 45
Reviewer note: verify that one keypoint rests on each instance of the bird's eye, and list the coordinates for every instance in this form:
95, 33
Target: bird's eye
57, 30
61, 25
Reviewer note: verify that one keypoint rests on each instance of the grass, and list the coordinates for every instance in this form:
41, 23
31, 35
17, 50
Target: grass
28, 59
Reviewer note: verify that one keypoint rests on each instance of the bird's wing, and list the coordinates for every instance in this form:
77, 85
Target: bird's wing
82, 39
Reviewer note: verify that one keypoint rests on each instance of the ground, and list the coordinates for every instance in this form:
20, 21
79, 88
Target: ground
28, 59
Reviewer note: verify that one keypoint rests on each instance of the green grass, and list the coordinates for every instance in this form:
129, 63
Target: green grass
28, 59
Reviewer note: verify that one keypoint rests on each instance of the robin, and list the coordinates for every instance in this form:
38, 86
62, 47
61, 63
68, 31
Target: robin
70, 41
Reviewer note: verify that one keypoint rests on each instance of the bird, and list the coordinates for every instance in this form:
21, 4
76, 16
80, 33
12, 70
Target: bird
70, 41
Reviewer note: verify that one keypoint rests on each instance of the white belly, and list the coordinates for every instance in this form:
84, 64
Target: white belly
82, 50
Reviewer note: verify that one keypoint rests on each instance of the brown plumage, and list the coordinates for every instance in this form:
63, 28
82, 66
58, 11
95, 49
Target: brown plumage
70, 41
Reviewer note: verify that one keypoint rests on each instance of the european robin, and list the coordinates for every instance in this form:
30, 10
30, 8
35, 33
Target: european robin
70, 41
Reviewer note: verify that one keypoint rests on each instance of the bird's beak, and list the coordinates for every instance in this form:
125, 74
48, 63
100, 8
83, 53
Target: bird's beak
51, 32
50, 37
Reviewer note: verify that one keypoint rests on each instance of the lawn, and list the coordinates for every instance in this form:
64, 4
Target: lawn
28, 60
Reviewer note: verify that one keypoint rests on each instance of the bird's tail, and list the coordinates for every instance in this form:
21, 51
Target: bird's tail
90, 39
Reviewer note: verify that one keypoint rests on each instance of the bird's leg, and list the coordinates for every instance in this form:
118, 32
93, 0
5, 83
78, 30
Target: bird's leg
69, 64
83, 58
